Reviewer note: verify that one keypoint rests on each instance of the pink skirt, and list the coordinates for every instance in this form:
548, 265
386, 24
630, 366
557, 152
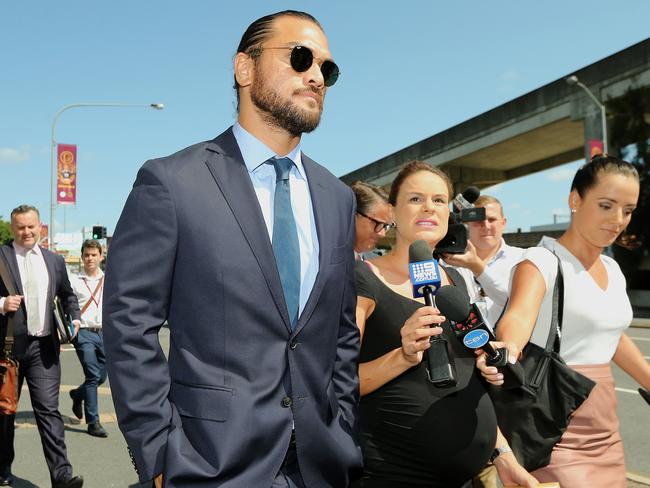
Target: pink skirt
590, 453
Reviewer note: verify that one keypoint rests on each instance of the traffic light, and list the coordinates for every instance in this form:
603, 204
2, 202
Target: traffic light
99, 232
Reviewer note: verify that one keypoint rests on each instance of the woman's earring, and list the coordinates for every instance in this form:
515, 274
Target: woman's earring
573, 210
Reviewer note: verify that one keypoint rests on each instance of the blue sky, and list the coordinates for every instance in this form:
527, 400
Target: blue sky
409, 70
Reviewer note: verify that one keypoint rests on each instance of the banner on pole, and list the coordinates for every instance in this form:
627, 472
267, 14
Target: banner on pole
66, 175
44, 238
595, 147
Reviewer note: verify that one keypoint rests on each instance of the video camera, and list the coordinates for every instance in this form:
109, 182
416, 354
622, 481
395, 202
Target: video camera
455, 241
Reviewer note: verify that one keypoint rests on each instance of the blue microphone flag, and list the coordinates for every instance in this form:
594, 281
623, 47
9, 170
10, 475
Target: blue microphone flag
423, 269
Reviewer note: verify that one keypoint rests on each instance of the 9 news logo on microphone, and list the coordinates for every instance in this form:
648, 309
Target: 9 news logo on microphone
424, 273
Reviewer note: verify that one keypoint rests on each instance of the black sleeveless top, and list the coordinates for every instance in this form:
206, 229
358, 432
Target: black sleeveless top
414, 434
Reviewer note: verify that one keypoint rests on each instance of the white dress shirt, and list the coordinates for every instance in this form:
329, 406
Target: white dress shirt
255, 154
494, 281
40, 269
84, 286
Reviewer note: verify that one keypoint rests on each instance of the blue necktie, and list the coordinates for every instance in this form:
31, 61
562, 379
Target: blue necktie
285, 238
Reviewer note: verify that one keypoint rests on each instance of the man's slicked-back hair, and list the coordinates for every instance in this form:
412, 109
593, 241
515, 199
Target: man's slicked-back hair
260, 30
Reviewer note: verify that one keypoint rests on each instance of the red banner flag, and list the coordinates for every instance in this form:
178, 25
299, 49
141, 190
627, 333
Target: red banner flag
66, 175
44, 241
595, 147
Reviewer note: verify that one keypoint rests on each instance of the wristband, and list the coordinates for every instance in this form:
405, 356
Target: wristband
498, 451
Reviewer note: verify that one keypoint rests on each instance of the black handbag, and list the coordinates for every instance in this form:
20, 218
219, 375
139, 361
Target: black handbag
533, 416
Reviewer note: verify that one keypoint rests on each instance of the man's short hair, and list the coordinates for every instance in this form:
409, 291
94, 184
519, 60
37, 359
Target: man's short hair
23, 209
484, 200
93, 244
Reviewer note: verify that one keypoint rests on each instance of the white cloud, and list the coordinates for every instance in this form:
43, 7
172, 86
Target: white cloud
508, 80
513, 206
510, 75
562, 174
10, 155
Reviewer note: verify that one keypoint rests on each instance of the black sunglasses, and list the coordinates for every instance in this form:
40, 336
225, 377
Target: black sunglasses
379, 225
301, 60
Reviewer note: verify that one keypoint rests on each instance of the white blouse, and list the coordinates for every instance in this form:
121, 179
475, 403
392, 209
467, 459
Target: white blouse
594, 319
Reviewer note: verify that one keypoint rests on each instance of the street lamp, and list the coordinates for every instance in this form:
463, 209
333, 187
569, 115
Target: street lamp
155, 106
573, 80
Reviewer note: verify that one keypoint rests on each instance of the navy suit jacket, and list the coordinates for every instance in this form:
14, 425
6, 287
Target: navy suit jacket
192, 248
59, 285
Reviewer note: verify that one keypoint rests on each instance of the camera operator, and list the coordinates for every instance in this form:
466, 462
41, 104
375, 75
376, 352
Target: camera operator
487, 264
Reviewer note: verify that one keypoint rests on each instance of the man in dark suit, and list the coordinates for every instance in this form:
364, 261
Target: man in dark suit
244, 246
38, 276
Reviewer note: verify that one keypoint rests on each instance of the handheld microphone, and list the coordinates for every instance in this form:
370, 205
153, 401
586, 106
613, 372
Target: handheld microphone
470, 328
424, 271
425, 278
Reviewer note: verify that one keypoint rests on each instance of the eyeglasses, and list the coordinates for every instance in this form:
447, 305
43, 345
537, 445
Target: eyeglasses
301, 60
379, 225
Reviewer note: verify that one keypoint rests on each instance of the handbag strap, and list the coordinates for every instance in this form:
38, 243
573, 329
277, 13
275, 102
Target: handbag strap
555, 332
5, 276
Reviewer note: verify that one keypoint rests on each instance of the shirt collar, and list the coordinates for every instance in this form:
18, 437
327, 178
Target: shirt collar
256, 153
24, 250
100, 274
501, 252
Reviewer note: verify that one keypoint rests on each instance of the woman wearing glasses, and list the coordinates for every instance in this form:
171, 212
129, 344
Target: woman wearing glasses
412, 433
373, 215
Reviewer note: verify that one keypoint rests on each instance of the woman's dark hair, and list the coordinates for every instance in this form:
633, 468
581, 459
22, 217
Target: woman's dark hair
587, 177
260, 30
414, 167
368, 195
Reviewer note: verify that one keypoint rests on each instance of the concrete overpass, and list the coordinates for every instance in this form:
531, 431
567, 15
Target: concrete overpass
536, 131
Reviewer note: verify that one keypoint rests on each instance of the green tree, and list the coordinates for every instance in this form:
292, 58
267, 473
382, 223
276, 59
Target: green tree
5, 231
629, 126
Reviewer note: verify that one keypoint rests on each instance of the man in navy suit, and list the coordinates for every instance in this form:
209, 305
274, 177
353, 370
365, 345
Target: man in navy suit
244, 245
38, 276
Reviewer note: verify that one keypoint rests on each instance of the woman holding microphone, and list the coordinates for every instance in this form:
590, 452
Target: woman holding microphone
597, 311
414, 434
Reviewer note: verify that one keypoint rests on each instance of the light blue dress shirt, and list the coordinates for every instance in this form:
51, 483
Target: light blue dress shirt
255, 154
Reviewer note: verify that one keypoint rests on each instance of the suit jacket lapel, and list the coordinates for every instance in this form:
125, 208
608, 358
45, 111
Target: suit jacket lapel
231, 175
51, 271
321, 203
10, 257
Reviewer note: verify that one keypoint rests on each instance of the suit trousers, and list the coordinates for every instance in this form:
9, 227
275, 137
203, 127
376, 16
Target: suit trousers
289, 474
41, 368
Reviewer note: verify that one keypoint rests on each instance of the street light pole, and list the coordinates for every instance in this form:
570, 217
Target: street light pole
156, 106
573, 80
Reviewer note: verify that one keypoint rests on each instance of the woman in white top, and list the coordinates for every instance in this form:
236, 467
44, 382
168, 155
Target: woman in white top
597, 310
